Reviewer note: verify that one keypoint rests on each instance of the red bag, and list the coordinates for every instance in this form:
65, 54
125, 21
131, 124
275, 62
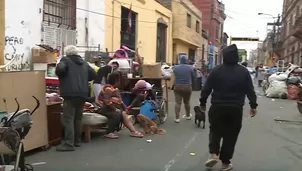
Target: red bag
293, 92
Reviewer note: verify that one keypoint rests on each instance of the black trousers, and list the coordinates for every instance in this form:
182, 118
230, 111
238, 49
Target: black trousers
225, 125
72, 120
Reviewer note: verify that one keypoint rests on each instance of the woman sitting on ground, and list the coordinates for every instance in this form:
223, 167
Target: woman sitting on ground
114, 109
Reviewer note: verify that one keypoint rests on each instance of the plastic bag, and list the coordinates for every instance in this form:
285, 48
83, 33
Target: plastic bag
272, 78
293, 80
166, 71
293, 92
282, 77
276, 89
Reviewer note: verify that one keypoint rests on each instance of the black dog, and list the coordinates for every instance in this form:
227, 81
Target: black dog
199, 116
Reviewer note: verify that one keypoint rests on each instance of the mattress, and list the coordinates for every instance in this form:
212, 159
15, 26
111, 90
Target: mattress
93, 119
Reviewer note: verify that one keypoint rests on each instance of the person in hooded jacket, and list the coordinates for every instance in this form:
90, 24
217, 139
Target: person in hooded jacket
74, 74
229, 83
184, 76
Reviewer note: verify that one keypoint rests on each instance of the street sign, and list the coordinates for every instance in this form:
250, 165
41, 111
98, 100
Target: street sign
243, 39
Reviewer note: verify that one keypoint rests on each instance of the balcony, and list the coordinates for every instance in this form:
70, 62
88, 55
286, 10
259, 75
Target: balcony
278, 48
187, 28
298, 28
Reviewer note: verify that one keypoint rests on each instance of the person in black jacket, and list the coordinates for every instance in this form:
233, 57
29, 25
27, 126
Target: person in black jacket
74, 74
229, 83
101, 77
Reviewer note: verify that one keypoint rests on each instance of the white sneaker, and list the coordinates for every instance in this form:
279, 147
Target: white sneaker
187, 117
177, 120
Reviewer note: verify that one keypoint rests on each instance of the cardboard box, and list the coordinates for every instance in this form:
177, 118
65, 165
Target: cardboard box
152, 70
40, 55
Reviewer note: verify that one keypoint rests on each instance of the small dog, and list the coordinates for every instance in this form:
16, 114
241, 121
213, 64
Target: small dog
149, 126
199, 116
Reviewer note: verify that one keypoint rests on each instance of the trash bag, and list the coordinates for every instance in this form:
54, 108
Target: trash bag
293, 92
282, 77
276, 89
277, 77
166, 71
293, 80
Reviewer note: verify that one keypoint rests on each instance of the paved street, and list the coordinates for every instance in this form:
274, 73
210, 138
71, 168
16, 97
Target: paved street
264, 145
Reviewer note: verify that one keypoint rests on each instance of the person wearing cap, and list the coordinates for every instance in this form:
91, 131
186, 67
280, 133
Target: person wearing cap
228, 83
143, 91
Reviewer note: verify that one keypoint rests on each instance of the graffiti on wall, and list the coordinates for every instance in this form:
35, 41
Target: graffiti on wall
16, 50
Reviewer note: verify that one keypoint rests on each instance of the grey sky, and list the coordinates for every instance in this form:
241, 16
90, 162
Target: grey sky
243, 19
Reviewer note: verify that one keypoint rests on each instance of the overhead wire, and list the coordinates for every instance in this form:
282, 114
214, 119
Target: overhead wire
107, 15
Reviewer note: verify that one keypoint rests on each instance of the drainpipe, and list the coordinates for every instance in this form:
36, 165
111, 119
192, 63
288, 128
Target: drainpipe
2, 31
112, 41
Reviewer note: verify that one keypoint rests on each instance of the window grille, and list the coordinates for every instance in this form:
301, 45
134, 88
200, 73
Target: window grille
61, 12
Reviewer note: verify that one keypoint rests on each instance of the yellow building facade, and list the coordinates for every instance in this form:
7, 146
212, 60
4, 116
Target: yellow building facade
149, 15
187, 29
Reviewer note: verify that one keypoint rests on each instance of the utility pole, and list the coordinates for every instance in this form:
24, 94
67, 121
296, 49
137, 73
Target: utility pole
2, 31
274, 43
210, 31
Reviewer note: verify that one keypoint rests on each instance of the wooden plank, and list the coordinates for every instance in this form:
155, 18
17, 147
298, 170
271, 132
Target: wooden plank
2, 31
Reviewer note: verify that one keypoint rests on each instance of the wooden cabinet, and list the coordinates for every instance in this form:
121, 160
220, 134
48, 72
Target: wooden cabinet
55, 127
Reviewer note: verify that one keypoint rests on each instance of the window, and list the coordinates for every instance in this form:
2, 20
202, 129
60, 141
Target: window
217, 33
60, 12
161, 42
191, 56
197, 26
128, 37
189, 20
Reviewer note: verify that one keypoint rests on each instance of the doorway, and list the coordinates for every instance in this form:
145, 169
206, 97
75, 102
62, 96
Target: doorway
161, 40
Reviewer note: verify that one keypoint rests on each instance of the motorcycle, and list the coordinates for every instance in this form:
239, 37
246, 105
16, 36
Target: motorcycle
14, 128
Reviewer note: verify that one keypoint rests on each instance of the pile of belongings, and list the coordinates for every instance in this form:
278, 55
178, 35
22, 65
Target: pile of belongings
278, 84
293, 84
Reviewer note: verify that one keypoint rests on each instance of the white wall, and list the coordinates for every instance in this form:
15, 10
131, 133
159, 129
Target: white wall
95, 34
22, 31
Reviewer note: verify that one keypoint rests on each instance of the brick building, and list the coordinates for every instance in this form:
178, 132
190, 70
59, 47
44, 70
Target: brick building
291, 32
213, 18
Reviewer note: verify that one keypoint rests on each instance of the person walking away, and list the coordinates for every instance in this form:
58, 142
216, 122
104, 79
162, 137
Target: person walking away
228, 83
184, 76
74, 74
260, 75
101, 78
203, 79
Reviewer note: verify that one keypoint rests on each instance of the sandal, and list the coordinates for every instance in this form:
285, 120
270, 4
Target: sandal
211, 163
136, 134
111, 136
228, 168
